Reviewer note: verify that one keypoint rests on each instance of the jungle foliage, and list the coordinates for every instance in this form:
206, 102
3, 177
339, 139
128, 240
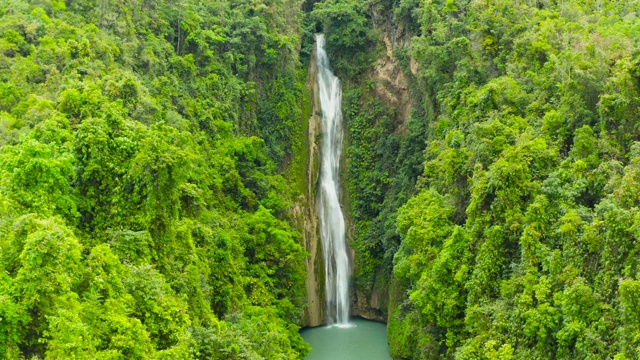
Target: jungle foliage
143, 211
515, 236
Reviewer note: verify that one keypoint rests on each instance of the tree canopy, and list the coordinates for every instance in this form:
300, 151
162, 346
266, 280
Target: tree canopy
149, 160
504, 210
143, 209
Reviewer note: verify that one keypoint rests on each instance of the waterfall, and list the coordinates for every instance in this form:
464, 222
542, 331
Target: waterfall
332, 227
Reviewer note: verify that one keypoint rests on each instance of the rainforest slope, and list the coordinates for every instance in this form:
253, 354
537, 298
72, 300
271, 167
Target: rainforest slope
150, 153
504, 209
143, 208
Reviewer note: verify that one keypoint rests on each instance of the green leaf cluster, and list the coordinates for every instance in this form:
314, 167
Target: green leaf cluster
535, 257
142, 210
505, 208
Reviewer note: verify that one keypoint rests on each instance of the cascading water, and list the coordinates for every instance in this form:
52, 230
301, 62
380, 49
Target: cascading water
332, 227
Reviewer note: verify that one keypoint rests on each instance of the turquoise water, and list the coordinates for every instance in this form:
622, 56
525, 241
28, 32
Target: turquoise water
362, 339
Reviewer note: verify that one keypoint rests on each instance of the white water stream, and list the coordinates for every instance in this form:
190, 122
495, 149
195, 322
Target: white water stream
332, 227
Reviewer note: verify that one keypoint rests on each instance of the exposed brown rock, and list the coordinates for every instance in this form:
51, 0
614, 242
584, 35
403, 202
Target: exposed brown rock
391, 86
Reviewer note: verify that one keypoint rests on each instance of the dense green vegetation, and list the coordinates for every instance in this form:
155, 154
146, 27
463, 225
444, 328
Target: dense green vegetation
519, 238
150, 152
141, 210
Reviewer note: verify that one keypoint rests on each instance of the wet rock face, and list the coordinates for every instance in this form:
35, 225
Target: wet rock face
314, 312
371, 303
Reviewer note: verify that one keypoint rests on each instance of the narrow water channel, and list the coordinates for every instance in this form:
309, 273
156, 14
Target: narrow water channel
359, 340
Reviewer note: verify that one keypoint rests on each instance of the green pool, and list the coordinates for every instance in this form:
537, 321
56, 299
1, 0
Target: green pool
361, 339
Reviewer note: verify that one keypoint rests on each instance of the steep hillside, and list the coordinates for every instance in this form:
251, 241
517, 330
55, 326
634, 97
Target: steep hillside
141, 210
503, 210
158, 165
